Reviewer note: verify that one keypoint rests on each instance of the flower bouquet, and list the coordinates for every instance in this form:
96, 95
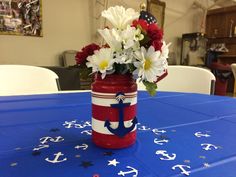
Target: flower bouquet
134, 51
132, 46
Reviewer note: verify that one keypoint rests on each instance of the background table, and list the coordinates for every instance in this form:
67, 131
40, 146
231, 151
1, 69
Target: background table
193, 130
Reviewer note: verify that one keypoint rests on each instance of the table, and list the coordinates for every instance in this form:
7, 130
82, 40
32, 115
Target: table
179, 134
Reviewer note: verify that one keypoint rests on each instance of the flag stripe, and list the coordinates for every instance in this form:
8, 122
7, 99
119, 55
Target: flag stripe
98, 126
112, 114
114, 142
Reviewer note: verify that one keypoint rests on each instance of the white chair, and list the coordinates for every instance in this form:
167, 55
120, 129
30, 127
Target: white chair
23, 79
186, 79
233, 67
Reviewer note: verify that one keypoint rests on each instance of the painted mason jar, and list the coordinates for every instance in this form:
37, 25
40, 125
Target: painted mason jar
114, 100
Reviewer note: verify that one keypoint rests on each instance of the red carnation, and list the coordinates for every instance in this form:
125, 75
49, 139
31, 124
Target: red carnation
154, 33
142, 23
157, 44
152, 27
88, 50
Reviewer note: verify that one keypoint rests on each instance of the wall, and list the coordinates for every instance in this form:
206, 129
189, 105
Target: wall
66, 26
181, 17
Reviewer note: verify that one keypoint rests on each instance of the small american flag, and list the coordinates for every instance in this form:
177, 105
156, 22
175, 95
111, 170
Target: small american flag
148, 17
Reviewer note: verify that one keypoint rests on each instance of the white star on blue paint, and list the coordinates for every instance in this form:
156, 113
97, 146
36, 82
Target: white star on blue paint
113, 162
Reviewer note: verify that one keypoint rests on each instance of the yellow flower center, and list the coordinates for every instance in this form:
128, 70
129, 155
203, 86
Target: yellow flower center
103, 64
147, 64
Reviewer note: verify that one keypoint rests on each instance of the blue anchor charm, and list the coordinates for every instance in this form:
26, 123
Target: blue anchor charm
121, 131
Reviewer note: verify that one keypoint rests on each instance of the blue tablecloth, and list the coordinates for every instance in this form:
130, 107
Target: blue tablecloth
179, 134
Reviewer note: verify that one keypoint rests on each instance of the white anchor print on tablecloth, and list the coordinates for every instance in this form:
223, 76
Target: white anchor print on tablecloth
83, 125
41, 146
208, 147
87, 132
160, 142
165, 155
70, 124
200, 134
74, 124
182, 168
57, 158
132, 171
83, 146
157, 131
45, 139
144, 128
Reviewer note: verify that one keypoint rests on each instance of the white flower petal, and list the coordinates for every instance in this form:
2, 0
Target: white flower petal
119, 16
110, 38
101, 61
150, 64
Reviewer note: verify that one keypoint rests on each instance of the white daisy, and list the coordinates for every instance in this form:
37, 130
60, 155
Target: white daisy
101, 61
150, 65
119, 16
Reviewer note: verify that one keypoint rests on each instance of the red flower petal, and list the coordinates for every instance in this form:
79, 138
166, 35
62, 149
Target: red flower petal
142, 23
88, 50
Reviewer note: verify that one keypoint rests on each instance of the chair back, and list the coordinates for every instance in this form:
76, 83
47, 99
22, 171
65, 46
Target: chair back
68, 58
187, 79
23, 79
233, 67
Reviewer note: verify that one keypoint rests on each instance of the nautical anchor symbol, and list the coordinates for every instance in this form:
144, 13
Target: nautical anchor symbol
157, 132
41, 146
44, 140
133, 170
121, 130
200, 134
69, 124
164, 154
144, 128
83, 146
85, 124
87, 132
57, 139
56, 159
181, 167
160, 142
207, 146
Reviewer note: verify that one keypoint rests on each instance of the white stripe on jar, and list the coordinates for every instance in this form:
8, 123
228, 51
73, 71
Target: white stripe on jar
98, 126
106, 99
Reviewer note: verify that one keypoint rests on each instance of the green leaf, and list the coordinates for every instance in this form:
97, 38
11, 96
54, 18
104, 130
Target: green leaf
121, 68
145, 40
150, 87
131, 67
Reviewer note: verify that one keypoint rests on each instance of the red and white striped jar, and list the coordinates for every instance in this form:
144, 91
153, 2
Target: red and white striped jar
103, 95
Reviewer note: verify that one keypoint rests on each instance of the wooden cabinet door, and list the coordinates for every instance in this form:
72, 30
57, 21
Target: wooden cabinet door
216, 26
231, 23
